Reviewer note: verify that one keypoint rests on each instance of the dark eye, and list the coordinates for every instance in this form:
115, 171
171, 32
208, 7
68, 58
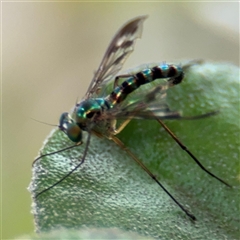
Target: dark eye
90, 115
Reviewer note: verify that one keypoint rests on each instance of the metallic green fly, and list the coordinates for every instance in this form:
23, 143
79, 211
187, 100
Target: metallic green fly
99, 115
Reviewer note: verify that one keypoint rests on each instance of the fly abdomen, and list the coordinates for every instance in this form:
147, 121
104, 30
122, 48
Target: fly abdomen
174, 72
168, 71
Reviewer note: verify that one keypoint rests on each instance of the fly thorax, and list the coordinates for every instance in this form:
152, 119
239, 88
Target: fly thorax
88, 111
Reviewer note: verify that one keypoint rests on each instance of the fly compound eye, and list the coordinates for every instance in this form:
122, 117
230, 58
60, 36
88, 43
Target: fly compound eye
69, 127
74, 132
64, 118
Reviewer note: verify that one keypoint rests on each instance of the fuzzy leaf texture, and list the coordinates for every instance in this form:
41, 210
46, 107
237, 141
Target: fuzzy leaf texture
111, 191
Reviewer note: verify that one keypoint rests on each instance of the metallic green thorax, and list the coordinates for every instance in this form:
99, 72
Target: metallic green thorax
87, 110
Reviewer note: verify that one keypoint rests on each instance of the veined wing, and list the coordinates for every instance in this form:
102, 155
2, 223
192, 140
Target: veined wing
119, 49
151, 105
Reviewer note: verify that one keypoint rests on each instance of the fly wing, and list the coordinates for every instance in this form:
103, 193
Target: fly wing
119, 49
151, 105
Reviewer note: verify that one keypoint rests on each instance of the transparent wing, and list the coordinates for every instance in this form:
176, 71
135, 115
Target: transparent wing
151, 105
119, 49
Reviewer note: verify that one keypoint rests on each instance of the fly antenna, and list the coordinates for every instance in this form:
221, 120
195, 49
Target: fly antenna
49, 124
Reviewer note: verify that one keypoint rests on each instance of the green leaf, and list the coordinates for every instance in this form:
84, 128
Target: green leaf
111, 191
86, 233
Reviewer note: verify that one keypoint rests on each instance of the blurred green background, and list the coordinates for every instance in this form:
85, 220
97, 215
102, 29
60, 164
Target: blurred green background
49, 54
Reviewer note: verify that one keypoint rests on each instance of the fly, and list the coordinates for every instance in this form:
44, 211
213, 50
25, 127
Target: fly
99, 115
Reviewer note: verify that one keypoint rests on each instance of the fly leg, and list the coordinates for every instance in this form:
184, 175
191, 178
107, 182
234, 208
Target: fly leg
61, 150
122, 126
120, 144
73, 170
189, 152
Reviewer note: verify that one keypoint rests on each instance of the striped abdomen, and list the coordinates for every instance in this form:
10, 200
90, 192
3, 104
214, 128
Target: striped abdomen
146, 76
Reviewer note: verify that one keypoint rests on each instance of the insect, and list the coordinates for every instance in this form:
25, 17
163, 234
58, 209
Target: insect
100, 115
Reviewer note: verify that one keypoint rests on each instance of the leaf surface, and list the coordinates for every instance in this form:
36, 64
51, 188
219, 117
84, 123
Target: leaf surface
111, 191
